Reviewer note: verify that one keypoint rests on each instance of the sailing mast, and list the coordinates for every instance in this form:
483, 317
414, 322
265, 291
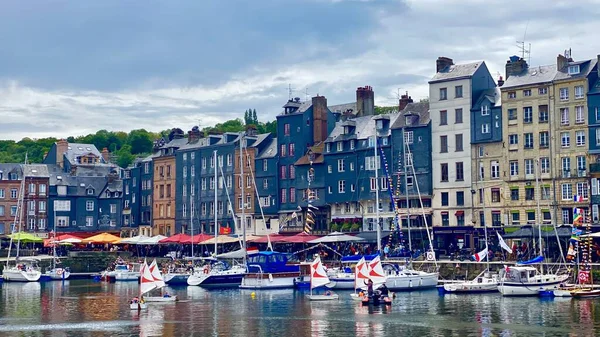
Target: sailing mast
215, 205
243, 220
482, 193
18, 215
192, 217
405, 160
538, 217
377, 194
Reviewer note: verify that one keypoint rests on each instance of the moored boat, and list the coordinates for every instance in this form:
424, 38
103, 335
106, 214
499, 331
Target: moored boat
146, 285
269, 270
58, 273
527, 281
485, 282
318, 278
159, 283
218, 275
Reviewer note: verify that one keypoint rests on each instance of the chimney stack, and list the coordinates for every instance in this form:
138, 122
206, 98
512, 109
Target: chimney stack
442, 63
61, 147
562, 61
251, 130
515, 66
500, 81
365, 101
404, 101
194, 134
105, 155
319, 105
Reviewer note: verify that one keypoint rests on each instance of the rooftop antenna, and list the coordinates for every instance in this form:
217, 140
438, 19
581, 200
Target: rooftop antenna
306, 93
525, 50
290, 92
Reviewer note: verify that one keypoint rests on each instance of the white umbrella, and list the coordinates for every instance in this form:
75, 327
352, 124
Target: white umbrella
152, 241
69, 240
220, 239
336, 237
236, 254
135, 240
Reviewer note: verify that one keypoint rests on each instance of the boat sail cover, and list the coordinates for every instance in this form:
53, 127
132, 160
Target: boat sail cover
156, 275
318, 275
537, 260
376, 273
361, 273
146, 279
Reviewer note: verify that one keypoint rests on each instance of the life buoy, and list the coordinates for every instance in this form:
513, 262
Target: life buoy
59, 272
205, 270
430, 256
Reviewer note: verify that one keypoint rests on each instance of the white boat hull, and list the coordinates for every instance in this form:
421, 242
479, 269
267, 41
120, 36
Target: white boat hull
58, 274
138, 306
217, 278
126, 276
541, 283
341, 281
413, 280
16, 275
267, 281
176, 278
481, 284
562, 293
323, 297
160, 299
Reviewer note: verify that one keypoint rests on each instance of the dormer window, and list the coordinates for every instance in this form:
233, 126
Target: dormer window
408, 120
379, 124
340, 146
574, 70
90, 191
108, 194
485, 110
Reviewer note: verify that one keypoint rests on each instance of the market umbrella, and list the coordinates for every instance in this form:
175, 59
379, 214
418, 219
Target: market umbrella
151, 241
273, 237
25, 237
299, 238
135, 240
220, 239
336, 237
102, 238
250, 238
177, 238
68, 238
197, 239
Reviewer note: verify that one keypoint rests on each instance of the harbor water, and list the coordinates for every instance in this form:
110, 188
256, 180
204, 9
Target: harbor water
86, 308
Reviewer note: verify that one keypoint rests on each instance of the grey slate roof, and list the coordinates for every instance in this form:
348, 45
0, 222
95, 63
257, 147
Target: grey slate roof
37, 171
75, 150
343, 107
533, 75
365, 128
303, 107
492, 95
175, 142
269, 151
595, 89
584, 69
456, 71
419, 108
11, 168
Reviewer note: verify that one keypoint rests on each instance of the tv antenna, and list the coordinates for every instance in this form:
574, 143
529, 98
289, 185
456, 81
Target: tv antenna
306, 93
290, 92
525, 50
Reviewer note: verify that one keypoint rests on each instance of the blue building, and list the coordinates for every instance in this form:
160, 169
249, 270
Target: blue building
132, 199
267, 181
299, 127
593, 103
146, 190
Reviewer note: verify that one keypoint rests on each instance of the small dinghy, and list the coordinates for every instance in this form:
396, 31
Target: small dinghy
318, 278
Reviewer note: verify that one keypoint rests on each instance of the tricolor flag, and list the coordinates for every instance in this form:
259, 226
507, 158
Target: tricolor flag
577, 198
503, 244
481, 255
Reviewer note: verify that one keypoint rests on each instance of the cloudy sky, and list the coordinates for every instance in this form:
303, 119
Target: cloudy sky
73, 67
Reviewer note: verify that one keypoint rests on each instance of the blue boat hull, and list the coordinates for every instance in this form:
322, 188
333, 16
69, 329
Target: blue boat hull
178, 280
223, 281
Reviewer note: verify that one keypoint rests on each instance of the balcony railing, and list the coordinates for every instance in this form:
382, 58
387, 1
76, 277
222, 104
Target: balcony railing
565, 173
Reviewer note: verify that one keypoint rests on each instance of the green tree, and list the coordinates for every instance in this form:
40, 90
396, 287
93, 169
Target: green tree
124, 156
254, 118
140, 141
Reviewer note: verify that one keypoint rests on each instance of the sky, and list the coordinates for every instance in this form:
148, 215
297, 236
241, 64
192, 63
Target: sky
70, 68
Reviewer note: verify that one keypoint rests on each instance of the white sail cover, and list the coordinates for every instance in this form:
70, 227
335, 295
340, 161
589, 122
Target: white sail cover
146, 279
361, 273
376, 273
318, 275
156, 275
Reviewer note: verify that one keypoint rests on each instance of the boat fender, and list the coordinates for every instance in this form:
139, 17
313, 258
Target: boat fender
59, 271
205, 270
270, 277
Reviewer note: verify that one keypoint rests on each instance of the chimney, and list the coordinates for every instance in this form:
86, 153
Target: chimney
562, 61
251, 130
515, 65
365, 101
442, 63
194, 134
105, 155
319, 105
61, 147
500, 81
404, 101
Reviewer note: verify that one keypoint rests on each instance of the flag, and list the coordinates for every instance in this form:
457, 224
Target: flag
577, 215
584, 276
577, 198
503, 244
481, 255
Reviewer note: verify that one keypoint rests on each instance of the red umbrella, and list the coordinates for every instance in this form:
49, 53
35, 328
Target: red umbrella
197, 239
177, 238
67, 236
273, 237
299, 238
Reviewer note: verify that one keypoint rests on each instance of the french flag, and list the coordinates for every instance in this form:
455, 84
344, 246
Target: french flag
577, 198
481, 255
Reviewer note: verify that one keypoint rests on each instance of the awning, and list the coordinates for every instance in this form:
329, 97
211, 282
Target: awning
459, 213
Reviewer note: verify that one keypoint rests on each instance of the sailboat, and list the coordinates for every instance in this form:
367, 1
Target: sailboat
318, 278
159, 283
219, 276
57, 273
525, 280
377, 277
146, 285
361, 275
23, 270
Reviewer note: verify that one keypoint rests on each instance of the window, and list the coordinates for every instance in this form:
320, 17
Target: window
62, 205
443, 117
514, 194
409, 181
579, 117
529, 167
351, 166
329, 169
443, 144
383, 184
542, 91
328, 147
530, 216
527, 93
286, 129
528, 144
341, 166
529, 193
229, 179
458, 139
544, 143
443, 94
283, 172
527, 114
13, 192
204, 162
598, 136
566, 167
581, 163
203, 206
229, 160
220, 161
42, 206
113, 208
283, 196
495, 195
485, 110
545, 165
2, 194
249, 181
514, 168
89, 205
543, 112
371, 141
444, 198
408, 137
342, 186
564, 94
458, 116
495, 169
567, 192
444, 167
512, 94
265, 201
545, 192
574, 70
565, 139
582, 190
580, 138
564, 116
459, 171
292, 172
460, 198
184, 156
373, 184
513, 139
62, 221
408, 159
579, 91
185, 171
485, 128
340, 146
31, 188
515, 217
370, 163
352, 144
283, 149
458, 91
512, 114
292, 149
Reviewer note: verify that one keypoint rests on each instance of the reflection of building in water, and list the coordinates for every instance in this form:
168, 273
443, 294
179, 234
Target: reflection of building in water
319, 325
23, 299
152, 323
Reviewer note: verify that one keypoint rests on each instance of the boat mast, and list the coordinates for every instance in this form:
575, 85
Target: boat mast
192, 216
538, 217
215, 205
404, 146
19, 206
377, 194
482, 193
243, 220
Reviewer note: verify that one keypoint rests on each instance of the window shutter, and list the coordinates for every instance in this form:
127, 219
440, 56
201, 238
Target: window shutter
594, 186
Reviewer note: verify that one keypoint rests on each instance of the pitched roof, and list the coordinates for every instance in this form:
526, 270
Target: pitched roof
494, 96
532, 75
343, 107
11, 168
420, 108
365, 127
75, 150
36, 170
585, 67
456, 71
268, 151
317, 150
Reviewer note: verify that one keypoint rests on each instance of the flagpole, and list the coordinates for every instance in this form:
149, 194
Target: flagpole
482, 193
537, 187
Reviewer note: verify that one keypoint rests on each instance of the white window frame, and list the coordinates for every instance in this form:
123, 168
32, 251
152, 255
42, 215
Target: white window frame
89, 205
495, 169
564, 116
566, 191
564, 94
565, 139
341, 186
580, 138
579, 115
485, 128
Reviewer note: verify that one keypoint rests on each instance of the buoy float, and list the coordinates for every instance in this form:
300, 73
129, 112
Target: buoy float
253, 294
